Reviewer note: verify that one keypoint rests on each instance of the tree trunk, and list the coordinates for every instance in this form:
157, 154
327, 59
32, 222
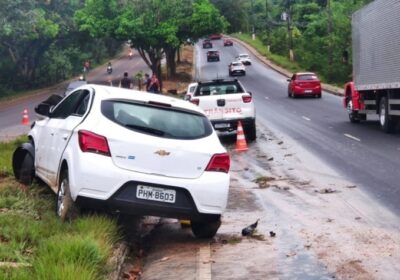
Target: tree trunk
171, 64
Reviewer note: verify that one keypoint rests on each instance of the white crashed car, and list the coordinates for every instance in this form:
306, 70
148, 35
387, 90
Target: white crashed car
128, 151
244, 58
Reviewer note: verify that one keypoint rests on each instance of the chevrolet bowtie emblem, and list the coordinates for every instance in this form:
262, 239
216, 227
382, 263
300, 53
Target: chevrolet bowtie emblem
162, 153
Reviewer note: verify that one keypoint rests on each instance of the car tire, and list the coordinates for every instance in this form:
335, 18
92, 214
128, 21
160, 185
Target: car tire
250, 131
353, 115
27, 170
206, 227
66, 208
244, 74
387, 123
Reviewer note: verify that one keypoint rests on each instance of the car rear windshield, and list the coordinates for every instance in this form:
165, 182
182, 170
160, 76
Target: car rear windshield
218, 89
307, 77
212, 53
159, 121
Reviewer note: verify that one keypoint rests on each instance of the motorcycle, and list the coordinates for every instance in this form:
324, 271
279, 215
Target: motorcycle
109, 69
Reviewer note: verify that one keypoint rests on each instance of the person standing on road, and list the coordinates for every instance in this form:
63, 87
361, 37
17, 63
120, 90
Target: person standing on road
125, 82
147, 81
154, 84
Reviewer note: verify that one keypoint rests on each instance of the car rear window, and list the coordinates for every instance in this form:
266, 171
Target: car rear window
307, 77
159, 121
218, 89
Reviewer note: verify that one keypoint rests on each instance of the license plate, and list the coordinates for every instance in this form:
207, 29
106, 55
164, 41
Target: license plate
156, 194
308, 91
222, 125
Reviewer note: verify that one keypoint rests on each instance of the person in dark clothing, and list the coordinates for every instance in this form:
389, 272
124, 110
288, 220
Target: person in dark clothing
147, 81
125, 82
154, 84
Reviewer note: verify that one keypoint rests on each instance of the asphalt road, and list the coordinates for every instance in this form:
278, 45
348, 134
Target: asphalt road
362, 153
11, 111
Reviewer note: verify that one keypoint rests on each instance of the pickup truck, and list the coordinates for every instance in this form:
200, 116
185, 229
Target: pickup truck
225, 102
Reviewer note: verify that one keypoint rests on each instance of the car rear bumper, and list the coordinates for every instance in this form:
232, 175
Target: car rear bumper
231, 125
212, 58
238, 72
125, 201
116, 188
306, 92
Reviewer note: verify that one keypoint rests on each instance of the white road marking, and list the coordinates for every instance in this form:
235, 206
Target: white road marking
204, 263
307, 119
352, 137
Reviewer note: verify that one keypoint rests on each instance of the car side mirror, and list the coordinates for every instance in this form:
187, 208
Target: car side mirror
43, 109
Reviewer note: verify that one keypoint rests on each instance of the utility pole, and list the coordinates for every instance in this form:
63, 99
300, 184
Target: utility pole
290, 29
253, 35
330, 46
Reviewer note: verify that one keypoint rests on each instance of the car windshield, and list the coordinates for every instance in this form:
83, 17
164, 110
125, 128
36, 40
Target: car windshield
156, 120
307, 77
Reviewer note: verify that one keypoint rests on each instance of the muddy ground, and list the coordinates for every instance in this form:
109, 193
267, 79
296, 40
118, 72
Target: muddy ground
313, 225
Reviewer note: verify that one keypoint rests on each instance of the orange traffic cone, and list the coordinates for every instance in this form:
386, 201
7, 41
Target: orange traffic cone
241, 144
25, 117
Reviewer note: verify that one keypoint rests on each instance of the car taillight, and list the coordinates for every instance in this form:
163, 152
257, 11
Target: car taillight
246, 98
93, 143
195, 101
219, 163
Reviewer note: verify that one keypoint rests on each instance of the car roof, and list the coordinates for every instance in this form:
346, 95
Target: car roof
108, 92
243, 54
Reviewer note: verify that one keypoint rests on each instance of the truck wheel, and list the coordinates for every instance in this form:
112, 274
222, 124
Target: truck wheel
353, 115
250, 131
206, 227
65, 206
388, 123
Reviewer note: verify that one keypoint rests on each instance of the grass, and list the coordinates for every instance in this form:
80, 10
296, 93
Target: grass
36, 245
282, 61
6, 152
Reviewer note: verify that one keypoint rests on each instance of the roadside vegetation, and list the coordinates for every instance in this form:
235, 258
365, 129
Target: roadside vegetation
318, 32
35, 244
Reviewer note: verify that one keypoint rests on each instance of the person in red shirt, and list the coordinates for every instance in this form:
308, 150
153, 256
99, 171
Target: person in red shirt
154, 84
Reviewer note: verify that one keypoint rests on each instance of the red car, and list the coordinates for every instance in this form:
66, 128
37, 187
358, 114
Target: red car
215, 36
228, 42
304, 84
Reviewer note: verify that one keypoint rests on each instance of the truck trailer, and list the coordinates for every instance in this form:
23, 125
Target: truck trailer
375, 88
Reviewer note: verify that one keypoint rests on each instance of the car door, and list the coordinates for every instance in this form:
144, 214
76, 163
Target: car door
63, 119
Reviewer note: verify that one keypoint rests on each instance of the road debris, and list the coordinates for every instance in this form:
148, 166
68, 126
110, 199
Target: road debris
326, 190
272, 234
351, 187
263, 181
270, 159
280, 142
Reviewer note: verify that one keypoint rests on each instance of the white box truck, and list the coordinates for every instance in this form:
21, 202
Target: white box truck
375, 88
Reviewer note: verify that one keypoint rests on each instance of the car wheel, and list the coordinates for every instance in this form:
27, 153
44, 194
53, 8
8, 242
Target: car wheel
244, 73
206, 227
27, 170
251, 131
388, 123
319, 95
65, 206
